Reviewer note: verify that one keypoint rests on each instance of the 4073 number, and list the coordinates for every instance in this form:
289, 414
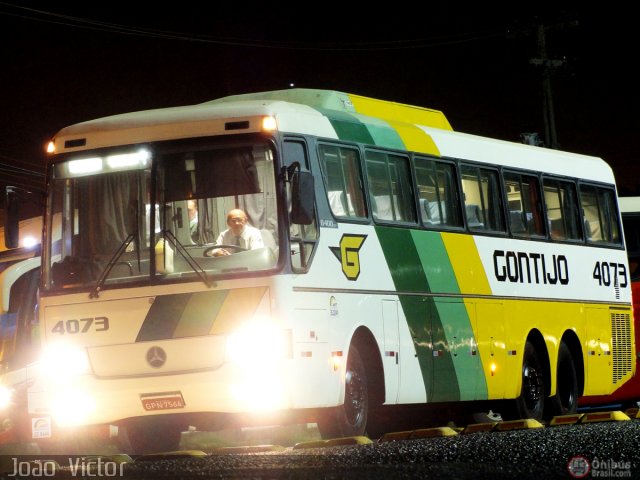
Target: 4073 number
610, 273
82, 325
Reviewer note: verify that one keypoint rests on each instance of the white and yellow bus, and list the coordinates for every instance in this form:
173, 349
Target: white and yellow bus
402, 263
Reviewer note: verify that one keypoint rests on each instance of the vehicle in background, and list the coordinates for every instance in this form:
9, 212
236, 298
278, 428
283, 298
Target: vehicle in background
19, 338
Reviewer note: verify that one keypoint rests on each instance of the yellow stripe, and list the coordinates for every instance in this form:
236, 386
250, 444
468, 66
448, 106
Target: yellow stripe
414, 138
466, 263
392, 111
238, 307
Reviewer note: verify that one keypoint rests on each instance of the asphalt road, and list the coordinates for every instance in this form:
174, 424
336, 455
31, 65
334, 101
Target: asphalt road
598, 450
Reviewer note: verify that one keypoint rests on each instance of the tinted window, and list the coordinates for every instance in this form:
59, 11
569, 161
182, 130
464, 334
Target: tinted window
563, 213
343, 181
482, 199
525, 208
600, 214
390, 187
438, 193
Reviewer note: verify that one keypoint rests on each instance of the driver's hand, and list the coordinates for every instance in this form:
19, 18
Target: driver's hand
221, 252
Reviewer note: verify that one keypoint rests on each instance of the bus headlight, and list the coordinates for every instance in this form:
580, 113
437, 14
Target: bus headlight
6, 395
71, 407
61, 361
256, 343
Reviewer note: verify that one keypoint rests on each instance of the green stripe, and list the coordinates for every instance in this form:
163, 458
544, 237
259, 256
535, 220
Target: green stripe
348, 127
441, 327
200, 313
435, 261
421, 313
383, 134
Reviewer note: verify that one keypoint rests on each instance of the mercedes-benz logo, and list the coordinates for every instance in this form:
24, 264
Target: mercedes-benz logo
156, 357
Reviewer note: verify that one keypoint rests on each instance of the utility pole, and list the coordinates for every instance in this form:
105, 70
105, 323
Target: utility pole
548, 65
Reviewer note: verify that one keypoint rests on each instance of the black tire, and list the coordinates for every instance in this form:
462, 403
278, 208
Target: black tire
152, 435
350, 418
565, 401
530, 402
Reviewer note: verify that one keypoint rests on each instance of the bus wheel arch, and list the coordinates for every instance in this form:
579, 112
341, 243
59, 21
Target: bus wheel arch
364, 390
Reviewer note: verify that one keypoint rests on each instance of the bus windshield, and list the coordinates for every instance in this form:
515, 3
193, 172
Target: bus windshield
162, 213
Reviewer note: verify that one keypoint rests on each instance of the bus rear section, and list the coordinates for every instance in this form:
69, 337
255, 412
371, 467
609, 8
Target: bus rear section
628, 395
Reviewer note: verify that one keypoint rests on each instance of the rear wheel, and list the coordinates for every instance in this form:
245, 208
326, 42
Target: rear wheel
530, 402
565, 401
350, 418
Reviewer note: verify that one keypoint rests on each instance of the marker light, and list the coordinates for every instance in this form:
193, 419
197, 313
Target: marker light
51, 147
336, 361
493, 369
269, 124
85, 165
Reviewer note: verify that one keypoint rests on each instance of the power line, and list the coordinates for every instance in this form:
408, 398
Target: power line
89, 24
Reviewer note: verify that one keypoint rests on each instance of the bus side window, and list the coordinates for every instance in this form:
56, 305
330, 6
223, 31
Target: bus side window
600, 214
525, 207
561, 202
343, 181
482, 199
390, 187
438, 193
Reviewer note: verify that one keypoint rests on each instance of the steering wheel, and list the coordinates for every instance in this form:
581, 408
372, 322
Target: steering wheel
209, 251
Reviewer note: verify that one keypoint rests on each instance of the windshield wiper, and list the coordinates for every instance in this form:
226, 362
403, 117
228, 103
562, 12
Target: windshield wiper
190, 260
112, 261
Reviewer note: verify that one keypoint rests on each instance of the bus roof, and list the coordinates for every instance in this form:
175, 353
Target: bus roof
327, 114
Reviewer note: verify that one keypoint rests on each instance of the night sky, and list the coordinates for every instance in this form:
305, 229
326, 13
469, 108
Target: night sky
63, 64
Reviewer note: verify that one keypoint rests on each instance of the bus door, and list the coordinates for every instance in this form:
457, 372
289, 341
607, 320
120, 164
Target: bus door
490, 327
391, 353
456, 365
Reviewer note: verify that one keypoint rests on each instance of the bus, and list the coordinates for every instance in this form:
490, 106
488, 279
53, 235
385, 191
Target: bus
628, 395
401, 264
19, 338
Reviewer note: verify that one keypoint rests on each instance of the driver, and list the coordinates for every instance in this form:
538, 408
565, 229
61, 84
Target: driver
239, 233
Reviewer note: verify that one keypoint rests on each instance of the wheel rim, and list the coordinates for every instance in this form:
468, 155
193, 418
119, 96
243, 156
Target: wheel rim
355, 397
532, 386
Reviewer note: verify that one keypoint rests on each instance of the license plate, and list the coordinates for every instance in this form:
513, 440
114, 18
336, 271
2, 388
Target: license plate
162, 401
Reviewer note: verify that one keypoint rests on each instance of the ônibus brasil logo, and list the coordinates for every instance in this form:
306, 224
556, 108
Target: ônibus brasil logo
579, 467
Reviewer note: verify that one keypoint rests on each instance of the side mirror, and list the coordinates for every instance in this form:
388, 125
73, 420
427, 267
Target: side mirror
11, 218
302, 196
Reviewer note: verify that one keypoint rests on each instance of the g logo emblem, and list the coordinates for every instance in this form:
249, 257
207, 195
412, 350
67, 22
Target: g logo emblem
349, 254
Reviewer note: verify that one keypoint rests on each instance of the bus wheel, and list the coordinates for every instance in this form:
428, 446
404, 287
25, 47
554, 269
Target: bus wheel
350, 418
565, 401
530, 403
